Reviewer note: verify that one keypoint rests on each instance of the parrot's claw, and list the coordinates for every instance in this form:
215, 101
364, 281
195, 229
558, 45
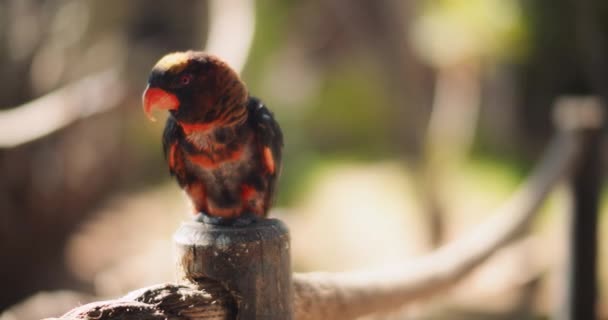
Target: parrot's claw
246, 219
206, 219
242, 221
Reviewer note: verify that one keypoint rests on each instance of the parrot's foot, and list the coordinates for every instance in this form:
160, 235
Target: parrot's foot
242, 221
206, 219
245, 219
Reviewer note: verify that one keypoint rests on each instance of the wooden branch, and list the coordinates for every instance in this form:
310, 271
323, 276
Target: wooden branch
49, 113
166, 301
354, 294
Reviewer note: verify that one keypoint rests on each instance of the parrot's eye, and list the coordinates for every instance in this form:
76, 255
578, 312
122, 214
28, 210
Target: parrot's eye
185, 79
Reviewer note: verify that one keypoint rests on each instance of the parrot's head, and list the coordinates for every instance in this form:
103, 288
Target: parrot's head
197, 89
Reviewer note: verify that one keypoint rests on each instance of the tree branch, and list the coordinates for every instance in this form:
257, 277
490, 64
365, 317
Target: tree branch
232, 24
93, 94
165, 301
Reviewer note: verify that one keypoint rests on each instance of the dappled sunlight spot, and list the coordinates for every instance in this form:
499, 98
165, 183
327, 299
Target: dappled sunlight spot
473, 191
151, 264
125, 227
358, 216
448, 32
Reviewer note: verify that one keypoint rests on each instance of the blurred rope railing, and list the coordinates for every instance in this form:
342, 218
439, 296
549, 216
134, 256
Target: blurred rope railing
350, 295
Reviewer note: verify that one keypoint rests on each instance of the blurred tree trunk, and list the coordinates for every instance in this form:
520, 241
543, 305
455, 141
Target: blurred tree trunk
48, 186
449, 139
380, 29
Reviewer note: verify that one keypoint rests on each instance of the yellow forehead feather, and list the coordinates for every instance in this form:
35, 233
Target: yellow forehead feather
173, 62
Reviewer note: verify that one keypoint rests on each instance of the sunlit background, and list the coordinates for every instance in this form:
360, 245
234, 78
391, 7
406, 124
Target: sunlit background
406, 123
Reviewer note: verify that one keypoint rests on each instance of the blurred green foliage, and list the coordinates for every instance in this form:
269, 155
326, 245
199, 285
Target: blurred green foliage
449, 31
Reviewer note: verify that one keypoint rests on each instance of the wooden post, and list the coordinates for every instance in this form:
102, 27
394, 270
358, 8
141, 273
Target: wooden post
585, 115
252, 262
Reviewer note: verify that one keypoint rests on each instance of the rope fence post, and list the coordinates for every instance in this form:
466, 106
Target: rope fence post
585, 113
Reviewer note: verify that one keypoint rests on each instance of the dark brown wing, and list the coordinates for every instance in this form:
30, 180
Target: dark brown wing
270, 143
173, 152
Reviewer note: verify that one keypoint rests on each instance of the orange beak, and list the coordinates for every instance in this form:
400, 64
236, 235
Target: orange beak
159, 99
